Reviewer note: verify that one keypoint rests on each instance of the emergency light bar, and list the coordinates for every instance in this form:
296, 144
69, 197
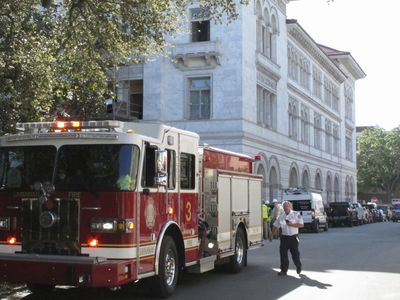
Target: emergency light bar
68, 125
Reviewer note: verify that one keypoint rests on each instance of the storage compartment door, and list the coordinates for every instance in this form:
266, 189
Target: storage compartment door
255, 226
224, 212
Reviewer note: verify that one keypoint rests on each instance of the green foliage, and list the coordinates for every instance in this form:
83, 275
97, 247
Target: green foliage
378, 160
57, 55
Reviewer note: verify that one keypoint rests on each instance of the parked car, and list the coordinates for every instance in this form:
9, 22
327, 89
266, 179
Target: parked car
342, 213
361, 213
396, 212
368, 215
372, 209
376, 215
386, 211
311, 207
382, 215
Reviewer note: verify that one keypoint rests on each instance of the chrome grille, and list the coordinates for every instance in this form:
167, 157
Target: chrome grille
61, 237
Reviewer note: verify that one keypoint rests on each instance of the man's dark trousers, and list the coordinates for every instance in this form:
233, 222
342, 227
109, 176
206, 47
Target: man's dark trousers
289, 242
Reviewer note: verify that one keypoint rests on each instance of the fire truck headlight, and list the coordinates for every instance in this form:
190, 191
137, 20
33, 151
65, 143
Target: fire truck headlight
108, 226
103, 225
210, 245
4, 223
112, 225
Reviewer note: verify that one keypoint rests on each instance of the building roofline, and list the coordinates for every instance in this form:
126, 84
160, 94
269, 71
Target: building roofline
332, 54
297, 32
346, 59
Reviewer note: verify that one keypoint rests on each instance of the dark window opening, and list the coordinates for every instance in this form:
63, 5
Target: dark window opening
136, 106
301, 205
149, 167
171, 169
188, 171
136, 99
200, 31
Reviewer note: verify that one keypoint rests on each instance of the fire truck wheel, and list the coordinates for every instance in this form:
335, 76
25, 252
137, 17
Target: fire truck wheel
237, 261
166, 280
40, 289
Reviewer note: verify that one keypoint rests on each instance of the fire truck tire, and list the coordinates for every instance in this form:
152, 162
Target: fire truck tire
165, 282
40, 289
238, 260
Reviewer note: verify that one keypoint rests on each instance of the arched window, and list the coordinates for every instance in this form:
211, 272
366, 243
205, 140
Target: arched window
273, 184
290, 110
259, 22
347, 189
328, 136
273, 38
318, 184
304, 126
293, 120
305, 182
329, 188
266, 108
336, 189
293, 179
266, 34
352, 192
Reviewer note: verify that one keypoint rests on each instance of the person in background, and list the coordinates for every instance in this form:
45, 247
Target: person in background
276, 212
266, 220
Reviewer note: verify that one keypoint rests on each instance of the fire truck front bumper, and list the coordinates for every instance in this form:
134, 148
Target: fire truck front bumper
65, 270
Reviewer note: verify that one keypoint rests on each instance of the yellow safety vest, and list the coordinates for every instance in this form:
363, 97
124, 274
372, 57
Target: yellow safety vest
265, 210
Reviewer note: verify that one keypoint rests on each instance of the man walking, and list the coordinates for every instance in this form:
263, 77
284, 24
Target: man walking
290, 222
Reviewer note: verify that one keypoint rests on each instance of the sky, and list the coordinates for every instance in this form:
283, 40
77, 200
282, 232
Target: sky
368, 29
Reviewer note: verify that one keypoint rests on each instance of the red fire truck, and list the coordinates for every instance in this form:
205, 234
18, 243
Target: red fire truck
106, 203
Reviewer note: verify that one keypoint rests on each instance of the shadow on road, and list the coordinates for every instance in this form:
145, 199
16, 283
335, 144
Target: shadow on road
279, 286
312, 282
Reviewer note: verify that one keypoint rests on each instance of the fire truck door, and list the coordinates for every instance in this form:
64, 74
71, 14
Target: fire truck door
152, 211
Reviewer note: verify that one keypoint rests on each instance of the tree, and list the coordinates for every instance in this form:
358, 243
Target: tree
58, 54
378, 161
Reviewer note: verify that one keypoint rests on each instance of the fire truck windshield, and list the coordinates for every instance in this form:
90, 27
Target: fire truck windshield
20, 167
95, 168
98, 167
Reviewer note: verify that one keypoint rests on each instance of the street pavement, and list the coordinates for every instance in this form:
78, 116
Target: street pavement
362, 262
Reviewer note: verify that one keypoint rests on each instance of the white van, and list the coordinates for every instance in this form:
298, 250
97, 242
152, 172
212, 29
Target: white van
310, 205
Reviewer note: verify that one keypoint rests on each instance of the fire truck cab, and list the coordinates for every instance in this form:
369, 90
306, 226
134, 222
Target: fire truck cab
106, 203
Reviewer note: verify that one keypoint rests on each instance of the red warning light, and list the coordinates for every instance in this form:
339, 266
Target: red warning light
11, 240
93, 243
60, 124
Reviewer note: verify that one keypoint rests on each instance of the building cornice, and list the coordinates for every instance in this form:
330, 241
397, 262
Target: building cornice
346, 60
301, 37
350, 64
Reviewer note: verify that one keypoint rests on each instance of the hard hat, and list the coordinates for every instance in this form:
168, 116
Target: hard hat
266, 202
275, 201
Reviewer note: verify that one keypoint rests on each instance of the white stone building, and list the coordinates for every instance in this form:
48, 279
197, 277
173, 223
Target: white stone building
262, 86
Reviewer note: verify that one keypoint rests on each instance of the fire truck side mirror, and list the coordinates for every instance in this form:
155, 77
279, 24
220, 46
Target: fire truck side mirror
161, 167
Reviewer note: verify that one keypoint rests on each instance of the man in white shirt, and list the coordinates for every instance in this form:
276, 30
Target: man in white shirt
290, 221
